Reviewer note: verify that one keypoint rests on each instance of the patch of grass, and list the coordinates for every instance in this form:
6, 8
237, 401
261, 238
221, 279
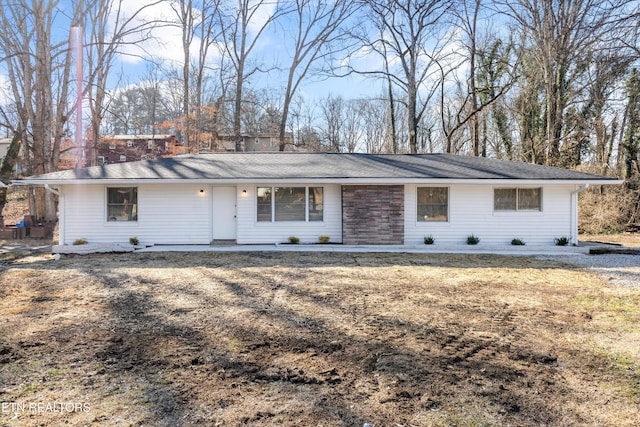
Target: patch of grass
54, 372
618, 306
234, 346
30, 388
8, 256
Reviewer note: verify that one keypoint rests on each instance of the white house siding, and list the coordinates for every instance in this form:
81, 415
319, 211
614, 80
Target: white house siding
167, 214
471, 212
250, 231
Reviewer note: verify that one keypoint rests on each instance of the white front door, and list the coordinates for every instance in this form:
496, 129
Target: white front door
224, 213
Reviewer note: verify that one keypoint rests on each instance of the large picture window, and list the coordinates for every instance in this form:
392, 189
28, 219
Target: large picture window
517, 199
122, 204
433, 204
290, 204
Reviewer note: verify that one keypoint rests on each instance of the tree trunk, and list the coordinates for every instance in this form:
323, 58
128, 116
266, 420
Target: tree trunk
412, 120
6, 170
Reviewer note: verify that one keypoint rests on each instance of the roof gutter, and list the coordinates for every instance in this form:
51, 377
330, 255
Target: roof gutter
581, 189
52, 190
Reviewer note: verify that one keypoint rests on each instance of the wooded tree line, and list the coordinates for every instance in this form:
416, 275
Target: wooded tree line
547, 81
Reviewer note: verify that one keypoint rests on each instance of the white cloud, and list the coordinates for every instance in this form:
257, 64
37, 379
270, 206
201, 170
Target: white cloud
263, 11
165, 44
165, 41
5, 97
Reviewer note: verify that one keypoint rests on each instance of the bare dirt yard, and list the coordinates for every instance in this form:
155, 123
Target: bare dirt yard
314, 339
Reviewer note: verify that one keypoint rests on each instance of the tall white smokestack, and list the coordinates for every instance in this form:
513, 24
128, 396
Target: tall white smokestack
76, 37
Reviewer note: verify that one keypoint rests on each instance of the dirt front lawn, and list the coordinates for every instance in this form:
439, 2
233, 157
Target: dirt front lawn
295, 339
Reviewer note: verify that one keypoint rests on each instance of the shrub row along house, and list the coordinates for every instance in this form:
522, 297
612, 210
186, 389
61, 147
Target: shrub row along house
258, 198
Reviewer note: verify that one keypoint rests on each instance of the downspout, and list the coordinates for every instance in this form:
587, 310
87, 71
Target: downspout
574, 213
52, 190
60, 212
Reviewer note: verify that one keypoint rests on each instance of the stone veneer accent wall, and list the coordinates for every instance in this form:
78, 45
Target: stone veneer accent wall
373, 214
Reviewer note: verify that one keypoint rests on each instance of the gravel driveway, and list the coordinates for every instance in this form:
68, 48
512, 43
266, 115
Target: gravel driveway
617, 269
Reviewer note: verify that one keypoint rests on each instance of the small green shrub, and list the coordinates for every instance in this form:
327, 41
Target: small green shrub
517, 242
429, 240
293, 239
134, 241
324, 239
473, 240
562, 241
80, 242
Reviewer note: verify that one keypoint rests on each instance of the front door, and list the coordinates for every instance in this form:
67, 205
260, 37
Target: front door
224, 213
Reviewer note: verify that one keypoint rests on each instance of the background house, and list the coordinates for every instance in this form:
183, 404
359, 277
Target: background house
255, 142
4, 147
130, 148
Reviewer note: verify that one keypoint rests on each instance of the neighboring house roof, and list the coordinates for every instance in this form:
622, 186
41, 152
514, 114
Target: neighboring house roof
328, 167
256, 135
134, 137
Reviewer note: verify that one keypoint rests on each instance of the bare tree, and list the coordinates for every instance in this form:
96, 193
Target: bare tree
352, 126
411, 34
110, 30
184, 13
302, 124
209, 33
561, 33
375, 124
476, 93
39, 70
242, 28
317, 35
332, 117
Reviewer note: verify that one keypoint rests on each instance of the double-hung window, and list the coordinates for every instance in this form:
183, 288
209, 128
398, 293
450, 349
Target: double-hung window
517, 199
290, 204
433, 204
122, 204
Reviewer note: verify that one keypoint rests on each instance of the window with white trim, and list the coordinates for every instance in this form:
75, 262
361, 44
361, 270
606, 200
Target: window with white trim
517, 199
433, 204
300, 204
316, 204
122, 204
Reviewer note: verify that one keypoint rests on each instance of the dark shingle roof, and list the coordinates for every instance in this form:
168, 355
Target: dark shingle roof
278, 166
